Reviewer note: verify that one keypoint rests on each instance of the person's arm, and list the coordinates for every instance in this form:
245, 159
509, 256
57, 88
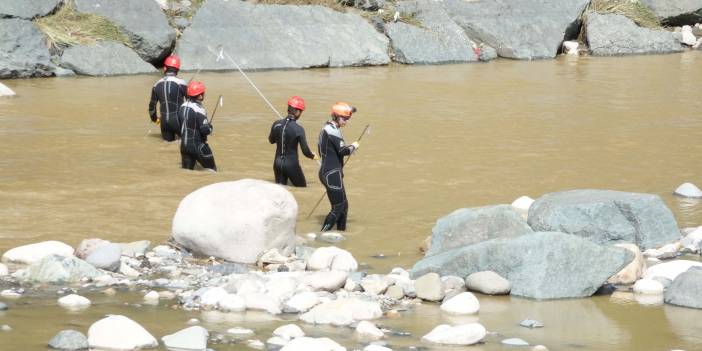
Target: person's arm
271, 135
204, 126
343, 149
303, 145
152, 105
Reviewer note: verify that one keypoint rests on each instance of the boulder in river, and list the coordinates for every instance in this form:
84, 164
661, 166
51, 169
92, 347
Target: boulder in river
466, 334
69, 340
615, 34
104, 58
342, 311
606, 217
518, 29
278, 37
31, 253
489, 283
23, 52
116, 332
143, 21
468, 226
688, 190
438, 40
670, 270
236, 221
685, 289
56, 269
542, 265
192, 339
106, 257
27, 9
676, 12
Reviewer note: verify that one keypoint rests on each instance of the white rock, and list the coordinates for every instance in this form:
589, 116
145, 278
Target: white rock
670, 270
687, 37
249, 284
192, 338
29, 254
331, 258
193, 321
466, 334
117, 332
311, 236
693, 239
452, 282
256, 344
329, 281
688, 190
488, 282
240, 332
128, 271
3, 270
342, 311
5, 91
163, 4
374, 284
152, 296
272, 256
74, 301
400, 271
281, 288
301, 302
570, 47
648, 287
212, 296
277, 342
258, 301
289, 332
368, 330
634, 270
232, 303
10, 294
429, 287
373, 347
523, 203
463, 303
6, 328
237, 220
312, 344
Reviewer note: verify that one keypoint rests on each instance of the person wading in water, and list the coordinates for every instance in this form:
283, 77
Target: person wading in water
195, 129
332, 150
287, 134
169, 92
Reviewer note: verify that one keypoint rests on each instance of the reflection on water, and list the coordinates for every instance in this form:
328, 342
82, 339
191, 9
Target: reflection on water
79, 161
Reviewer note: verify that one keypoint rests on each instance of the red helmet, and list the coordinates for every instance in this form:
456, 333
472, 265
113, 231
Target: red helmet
195, 89
297, 102
343, 109
172, 61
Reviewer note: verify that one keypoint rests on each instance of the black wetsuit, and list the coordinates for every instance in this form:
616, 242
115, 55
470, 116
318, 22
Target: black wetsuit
287, 134
169, 92
194, 132
332, 150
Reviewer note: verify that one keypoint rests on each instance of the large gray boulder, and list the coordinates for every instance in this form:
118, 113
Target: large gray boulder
469, 226
685, 289
104, 58
278, 37
438, 40
614, 34
237, 221
56, 269
606, 217
541, 265
23, 51
27, 9
69, 340
143, 21
518, 29
676, 12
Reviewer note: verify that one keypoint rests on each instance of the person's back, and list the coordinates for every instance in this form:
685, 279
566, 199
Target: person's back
195, 129
287, 135
169, 92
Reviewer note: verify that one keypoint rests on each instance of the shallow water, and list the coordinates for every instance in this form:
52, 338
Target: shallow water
80, 159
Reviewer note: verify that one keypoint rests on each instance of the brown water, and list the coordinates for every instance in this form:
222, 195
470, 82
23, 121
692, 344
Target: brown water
80, 159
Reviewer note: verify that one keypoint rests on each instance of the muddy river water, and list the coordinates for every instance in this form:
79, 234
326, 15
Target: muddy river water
79, 158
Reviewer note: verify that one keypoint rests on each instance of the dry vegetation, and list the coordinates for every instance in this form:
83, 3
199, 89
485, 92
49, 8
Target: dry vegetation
337, 5
633, 9
67, 27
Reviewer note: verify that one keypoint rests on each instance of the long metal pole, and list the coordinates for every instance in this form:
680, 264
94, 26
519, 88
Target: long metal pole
345, 162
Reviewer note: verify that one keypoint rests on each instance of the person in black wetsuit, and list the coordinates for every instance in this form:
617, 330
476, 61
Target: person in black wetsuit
195, 129
169, 92
287, 134
332, 150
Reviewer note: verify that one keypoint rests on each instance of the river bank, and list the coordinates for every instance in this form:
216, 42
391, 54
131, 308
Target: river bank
133, 37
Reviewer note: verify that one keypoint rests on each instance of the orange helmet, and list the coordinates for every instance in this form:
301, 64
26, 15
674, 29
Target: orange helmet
195, 89
343, 109
297, 102
172, 61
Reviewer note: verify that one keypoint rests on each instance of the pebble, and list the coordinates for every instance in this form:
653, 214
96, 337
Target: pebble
530, 323
241, 332
5, 328
193, 321
110, 292
256, 344
3, 306
515, 342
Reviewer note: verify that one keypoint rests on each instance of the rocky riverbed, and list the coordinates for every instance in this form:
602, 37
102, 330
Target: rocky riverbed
221, 34
571, 244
